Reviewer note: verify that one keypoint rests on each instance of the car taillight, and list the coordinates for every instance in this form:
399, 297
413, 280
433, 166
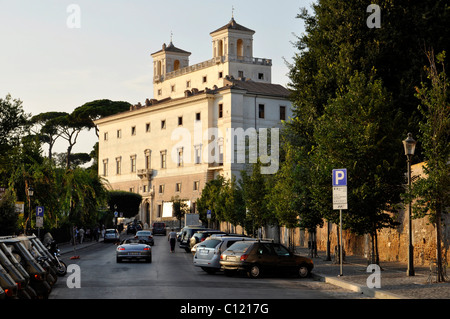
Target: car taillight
120, 248
8, 292
202, 239
243, 257
147, 248
37, 277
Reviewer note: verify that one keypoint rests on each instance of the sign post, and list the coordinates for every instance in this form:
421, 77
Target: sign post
340, 202
39, 219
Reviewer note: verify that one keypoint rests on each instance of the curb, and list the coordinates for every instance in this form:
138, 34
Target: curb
374, 293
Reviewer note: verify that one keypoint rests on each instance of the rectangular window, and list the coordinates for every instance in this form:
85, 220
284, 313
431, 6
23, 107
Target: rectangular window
261, 111
133, 130
133, 163
118, 165
197, 116
147, 127
105, 136
260, 76
172, 88
105, 167
163, 124
119, 133
220, 75
180, 120
178, 187
159, 92
161, 189
148, 160
205, 79
188, 84
198, 154
282, 113
180, 157
240, 74
196, 185
220, 110
163, 159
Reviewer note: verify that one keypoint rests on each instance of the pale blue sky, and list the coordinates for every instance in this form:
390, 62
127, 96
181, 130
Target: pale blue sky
51, 67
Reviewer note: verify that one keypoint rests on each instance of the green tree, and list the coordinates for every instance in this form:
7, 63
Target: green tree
46, 129
91, 111
232, 197
255, 187
357, 131
125, 202
180, 208
13, 125
8, 215
209, 200
433, 189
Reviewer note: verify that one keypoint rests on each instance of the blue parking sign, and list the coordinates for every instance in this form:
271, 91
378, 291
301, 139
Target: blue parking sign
340, 177
40, 211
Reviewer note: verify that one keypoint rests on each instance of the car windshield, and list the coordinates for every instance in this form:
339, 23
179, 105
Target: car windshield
143, 233
240, 247
110, 231
210, 243
132, 241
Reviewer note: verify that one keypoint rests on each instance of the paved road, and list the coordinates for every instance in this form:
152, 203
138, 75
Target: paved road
173, 276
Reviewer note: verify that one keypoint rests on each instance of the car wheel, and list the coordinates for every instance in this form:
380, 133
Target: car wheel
303, 271
149, 259
255, 271
119, 260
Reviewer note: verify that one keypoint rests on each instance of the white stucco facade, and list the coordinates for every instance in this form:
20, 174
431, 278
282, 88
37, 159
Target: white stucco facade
185, 135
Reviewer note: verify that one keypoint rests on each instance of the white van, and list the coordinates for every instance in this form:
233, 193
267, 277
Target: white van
207, 255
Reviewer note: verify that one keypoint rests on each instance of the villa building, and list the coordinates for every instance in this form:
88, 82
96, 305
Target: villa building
203, 120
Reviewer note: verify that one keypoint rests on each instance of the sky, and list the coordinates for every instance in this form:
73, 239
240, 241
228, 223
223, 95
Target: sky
56, 55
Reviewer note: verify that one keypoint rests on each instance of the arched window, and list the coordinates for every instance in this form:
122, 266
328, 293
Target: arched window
176, 65
240, 48
159, 69
220, 48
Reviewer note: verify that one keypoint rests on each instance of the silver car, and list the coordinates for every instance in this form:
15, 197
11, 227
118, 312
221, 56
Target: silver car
207, 254
111, 235
133, 248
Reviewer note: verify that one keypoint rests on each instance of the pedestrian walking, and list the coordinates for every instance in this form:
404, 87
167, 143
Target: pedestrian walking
82, 232
172, 238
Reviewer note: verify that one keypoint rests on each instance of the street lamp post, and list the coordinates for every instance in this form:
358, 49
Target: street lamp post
410, 145
28, 221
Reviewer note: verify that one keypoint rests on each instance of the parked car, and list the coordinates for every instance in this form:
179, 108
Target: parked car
202, 235
146, 236
258, 257
207, 253
186, 234
133, 248
111, 235
159, 228
133, 227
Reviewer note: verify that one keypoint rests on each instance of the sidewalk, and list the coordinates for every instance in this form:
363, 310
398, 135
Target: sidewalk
395, 284
68, 248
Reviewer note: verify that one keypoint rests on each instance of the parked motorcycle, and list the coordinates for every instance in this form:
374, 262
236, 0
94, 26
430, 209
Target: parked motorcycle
40, 279
52, 247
